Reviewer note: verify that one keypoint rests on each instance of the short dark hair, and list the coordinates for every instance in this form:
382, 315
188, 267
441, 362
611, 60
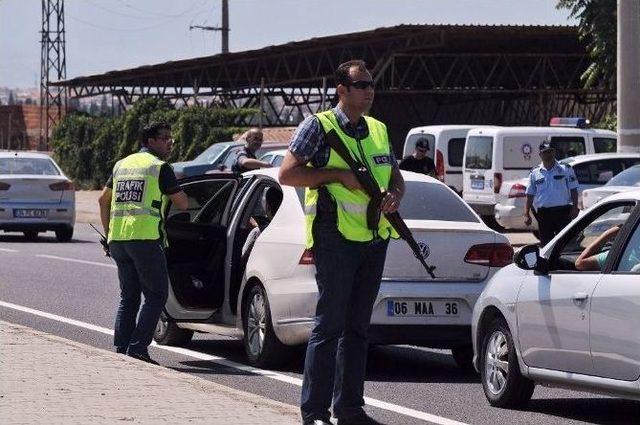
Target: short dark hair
342, 73
151, 130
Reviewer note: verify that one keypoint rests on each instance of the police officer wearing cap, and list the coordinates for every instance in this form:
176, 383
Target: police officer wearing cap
553, 193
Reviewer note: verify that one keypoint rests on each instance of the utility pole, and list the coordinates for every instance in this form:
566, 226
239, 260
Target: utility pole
53, 66
628, 77
224, 29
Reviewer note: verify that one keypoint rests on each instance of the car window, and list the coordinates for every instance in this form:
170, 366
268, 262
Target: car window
630, 260
231, 158
479, 152
211, 154
39, 166
431, 201
266, 158
629, 177
568, 146
410, 144
604, 144
456, 151
597, 172
277, 160
207, 200
591, 228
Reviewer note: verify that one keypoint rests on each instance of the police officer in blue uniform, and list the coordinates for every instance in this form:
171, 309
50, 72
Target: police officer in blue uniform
553, 193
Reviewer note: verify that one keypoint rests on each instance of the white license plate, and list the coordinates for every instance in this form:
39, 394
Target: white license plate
477, 184
416, 308
24, 213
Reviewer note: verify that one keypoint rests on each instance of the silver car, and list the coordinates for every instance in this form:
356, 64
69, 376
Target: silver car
541, 320
35, 196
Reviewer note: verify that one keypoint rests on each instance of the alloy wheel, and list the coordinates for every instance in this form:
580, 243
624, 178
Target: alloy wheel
497, 362
256, 324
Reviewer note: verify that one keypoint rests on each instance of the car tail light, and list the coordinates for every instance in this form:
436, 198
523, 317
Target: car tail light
439, 165
518, 191
497, 182
4, 186
490, 255
307, 257
65, 185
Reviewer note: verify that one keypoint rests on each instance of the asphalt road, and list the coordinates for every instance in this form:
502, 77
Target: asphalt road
74, 281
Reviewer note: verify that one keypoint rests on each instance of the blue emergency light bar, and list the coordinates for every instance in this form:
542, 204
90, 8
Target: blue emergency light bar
576, 122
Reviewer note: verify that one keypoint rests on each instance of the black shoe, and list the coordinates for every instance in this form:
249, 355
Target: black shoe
358, 419
143, 357
121, 350
325, 421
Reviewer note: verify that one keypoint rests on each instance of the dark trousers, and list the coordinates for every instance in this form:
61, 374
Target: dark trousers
142, 269
551, 221
348, 276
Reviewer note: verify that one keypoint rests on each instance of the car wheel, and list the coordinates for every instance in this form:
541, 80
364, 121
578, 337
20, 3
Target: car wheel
503, 384
31, 235
168, 333
262, 346
463, 357
64, 234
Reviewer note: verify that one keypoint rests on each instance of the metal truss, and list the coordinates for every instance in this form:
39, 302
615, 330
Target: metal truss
53, 99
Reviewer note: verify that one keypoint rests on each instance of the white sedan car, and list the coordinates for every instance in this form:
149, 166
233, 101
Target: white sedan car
35, 196
267, 295
592, 171
627, 180
541, 320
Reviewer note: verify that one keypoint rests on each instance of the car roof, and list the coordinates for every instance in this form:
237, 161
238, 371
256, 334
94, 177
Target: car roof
437, 129
21, 154
282, 152
497, 131
407, 175
623, 196
579, 159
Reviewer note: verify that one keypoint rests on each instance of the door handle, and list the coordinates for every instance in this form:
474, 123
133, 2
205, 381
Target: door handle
580, 296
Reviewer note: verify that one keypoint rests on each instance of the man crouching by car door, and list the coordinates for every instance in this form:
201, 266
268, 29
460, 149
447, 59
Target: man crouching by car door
349, 256
133, 219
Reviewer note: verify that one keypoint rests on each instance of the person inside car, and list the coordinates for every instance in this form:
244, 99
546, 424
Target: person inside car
591, 259
270, 204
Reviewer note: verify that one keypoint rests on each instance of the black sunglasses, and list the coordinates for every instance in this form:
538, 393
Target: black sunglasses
361, 84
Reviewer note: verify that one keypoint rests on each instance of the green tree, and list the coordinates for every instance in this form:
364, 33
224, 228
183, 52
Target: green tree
597, 26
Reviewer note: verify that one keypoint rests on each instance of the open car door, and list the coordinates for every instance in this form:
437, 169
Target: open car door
197, 247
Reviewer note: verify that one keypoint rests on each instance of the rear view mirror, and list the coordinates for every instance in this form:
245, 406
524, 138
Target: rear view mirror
528, 258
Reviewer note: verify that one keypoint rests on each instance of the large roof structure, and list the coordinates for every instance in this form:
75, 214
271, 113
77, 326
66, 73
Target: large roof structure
425, 74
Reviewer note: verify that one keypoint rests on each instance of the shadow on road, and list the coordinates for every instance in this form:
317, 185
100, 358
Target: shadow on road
40, 239
604, 411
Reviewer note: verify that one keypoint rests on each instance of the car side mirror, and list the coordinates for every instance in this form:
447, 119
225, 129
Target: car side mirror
528, 258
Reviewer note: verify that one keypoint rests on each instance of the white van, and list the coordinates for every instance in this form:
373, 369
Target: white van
446, 149
494, 155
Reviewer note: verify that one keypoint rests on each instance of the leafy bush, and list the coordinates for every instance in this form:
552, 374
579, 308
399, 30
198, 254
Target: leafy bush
87, 147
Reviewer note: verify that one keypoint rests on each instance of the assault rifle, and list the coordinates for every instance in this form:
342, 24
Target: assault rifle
370, 186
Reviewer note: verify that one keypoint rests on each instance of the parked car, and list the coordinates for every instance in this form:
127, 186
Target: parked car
35, 196
495, 155
218, 157
540, 321
446, 149
269, 299
627, 180
592, 171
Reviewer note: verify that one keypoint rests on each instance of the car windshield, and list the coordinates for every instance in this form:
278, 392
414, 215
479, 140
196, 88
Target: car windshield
432, 201
39, 166
629, 177
479, 152
211, 154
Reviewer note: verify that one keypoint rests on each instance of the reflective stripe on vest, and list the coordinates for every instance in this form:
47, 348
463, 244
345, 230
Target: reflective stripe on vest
351, 205
137, 203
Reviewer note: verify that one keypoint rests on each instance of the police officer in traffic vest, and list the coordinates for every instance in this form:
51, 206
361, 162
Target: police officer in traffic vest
349, 255
553, 193
132, 208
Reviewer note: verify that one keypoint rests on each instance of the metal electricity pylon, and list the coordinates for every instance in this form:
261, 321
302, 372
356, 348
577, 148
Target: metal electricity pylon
53, 100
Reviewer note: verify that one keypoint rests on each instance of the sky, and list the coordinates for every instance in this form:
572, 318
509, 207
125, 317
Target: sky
104, 35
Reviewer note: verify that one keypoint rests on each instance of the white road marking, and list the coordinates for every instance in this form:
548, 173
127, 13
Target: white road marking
416, 414
73, 260
8, 250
